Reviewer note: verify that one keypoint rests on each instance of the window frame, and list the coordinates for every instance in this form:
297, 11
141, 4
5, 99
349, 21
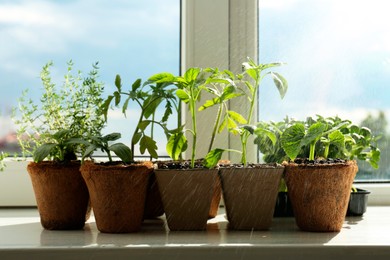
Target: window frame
231, 30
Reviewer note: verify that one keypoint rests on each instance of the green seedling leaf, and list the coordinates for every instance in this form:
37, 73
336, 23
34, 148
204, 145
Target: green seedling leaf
209, 103
164, 77
291, 140
111, 137
43, 151
118, 83
364, 131
182, 95
176, 145
106, 106
122, 151
143, 124
213, 157
150, 105
280, 83
265, 132
337, 138
249, 128
136, 85
136, 137
191, 74
223, 124
147, 143
237, 117
61, 134
314, 133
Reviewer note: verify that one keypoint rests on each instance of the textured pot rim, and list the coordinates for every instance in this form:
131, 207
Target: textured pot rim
256, 166
348, 163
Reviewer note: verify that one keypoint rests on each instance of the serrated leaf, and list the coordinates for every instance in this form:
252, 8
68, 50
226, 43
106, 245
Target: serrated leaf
150, 105
125, 105
147, 143
280, 83
209, 103
106, 106
237, 117
168, 111
231, 123
143, 124
253, 73
136, 137
136, 85
177, 144
291, 140
223, 124
122, 151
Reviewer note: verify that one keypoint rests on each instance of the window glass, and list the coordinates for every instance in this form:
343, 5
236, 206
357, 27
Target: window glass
338, 63
132, 38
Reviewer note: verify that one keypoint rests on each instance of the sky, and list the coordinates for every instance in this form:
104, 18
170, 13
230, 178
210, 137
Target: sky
337, 55
135, 39
337, 51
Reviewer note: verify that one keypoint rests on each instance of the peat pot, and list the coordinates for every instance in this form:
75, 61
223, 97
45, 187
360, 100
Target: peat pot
118, 194
187, 195
320, 194
61, 194
250, 195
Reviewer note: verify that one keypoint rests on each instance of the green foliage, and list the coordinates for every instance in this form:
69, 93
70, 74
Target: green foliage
328, 137
256, 73
189, 89
148, 97
2, 157
75, 105
104, 144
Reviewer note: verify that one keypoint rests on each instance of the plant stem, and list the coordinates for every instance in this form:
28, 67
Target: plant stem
312, 150
218, 119
326, 152
193, 115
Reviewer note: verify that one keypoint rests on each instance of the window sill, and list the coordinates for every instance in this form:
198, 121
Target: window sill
22, 237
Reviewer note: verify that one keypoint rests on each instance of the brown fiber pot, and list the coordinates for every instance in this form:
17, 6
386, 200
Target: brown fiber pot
250, 195
61, 194
187, 196
320, 194
117, 194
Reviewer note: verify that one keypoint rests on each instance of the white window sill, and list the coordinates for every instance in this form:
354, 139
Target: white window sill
22, 237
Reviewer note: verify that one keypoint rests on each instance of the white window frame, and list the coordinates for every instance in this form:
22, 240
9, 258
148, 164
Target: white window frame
218, 33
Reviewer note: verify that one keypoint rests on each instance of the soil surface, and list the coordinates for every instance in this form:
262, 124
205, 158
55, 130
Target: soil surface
319, 161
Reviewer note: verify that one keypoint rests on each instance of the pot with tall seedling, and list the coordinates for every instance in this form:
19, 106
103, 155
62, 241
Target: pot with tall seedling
119, 189
187, 186
249, 190
47, 131
318, 185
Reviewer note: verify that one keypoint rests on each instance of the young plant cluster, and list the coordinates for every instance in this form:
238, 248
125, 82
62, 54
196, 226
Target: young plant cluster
319, 139
65, 112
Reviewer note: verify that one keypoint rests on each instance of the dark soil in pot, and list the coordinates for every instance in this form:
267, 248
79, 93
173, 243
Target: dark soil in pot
118, 194
250, 194
61, 194
319, 193
358, 202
